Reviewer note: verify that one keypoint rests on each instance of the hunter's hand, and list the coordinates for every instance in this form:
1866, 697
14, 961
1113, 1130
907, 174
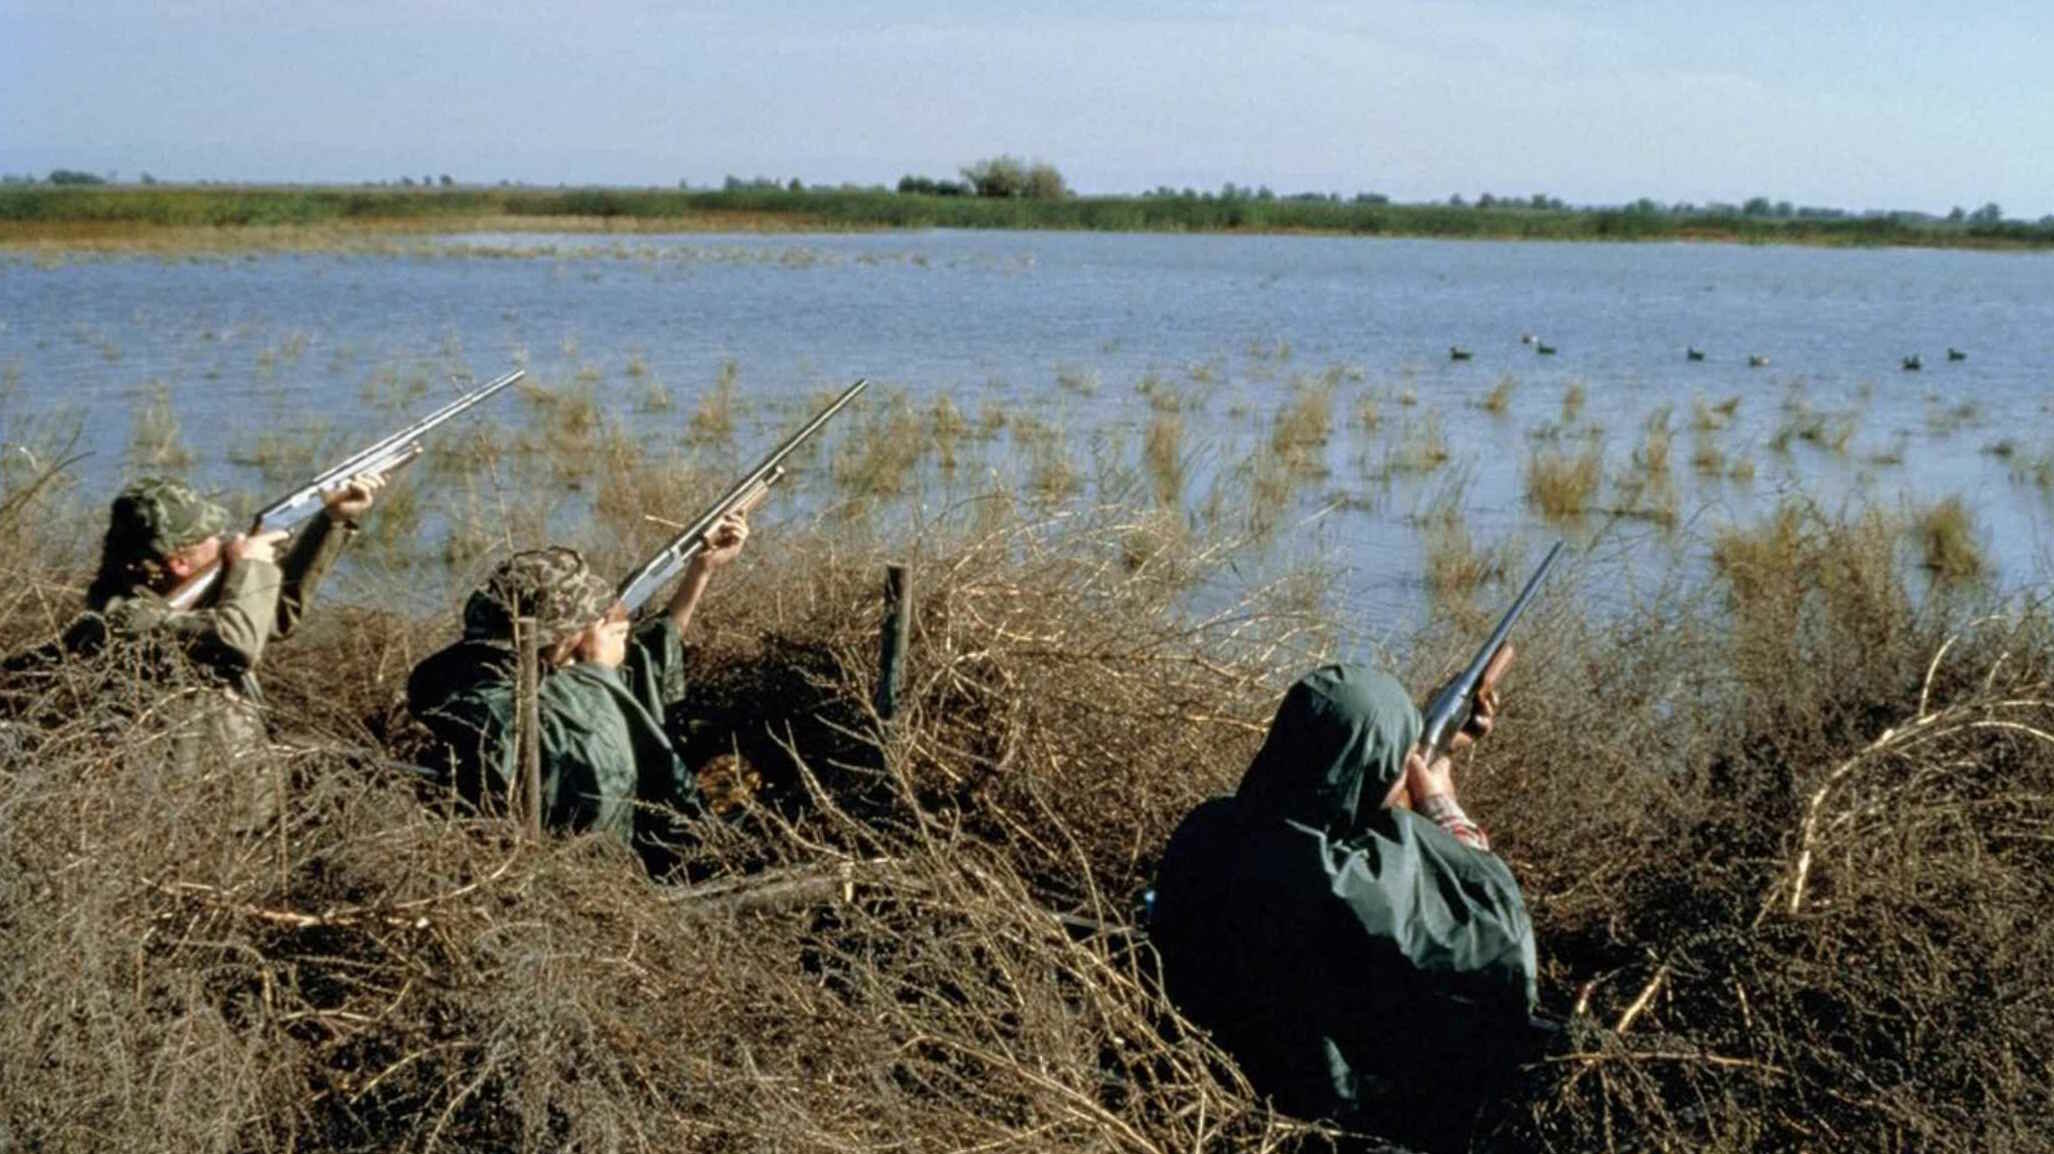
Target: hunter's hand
723, 543
252, 547
353, 498
1424, 779
1484, 716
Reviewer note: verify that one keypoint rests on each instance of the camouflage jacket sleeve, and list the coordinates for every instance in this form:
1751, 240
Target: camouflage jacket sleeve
310, 558
228, 635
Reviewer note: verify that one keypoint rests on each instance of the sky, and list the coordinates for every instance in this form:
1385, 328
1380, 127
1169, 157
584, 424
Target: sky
1882, 105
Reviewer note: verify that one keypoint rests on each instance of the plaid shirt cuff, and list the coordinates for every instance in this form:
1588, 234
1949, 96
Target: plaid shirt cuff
1444, 811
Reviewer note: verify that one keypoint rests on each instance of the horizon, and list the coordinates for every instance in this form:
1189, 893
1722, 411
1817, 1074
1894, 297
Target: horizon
1598, 105
429, 182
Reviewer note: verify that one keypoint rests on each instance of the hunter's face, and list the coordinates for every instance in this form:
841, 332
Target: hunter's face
193, 558
603, 643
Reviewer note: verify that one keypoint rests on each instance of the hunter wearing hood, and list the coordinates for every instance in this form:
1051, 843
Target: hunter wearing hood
1339, 923
608, 763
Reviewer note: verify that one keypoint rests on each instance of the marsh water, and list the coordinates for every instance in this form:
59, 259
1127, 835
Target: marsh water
1089, 338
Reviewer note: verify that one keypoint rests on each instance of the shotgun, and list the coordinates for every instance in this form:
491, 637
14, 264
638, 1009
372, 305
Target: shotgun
296, 507
641, 585
1449, 708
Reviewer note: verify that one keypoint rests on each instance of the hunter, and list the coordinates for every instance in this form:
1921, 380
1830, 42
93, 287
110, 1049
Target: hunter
1339, 923
159, 533
608, 762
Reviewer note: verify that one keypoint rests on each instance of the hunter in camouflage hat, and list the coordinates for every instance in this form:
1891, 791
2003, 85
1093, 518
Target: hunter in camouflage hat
161, 532
608, 761
554, 586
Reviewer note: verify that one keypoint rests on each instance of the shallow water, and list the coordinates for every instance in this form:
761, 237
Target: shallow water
1064, 326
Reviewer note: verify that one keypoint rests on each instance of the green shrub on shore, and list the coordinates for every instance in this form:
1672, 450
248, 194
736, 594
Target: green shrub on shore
231, 215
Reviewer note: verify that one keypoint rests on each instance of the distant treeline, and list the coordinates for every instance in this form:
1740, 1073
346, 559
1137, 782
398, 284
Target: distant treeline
28, 210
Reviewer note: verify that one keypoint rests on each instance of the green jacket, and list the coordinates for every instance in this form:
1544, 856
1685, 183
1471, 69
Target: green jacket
1326, 941
604, 746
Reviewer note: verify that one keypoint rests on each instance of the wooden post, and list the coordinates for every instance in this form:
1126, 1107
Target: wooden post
898, 628
528, 727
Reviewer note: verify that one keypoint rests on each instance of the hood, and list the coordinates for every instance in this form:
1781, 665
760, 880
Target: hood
459, 669
1337, 746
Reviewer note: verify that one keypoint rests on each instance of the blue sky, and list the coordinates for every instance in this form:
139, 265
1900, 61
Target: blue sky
1880, 105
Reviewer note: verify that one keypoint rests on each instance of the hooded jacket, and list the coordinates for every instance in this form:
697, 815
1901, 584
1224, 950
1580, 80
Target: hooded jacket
603, 743
1325, 940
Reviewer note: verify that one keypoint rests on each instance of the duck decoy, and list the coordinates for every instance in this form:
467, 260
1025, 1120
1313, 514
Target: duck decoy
1954, 354
1693, 353
1525, 338
1913, 364
1757, 361
1458, 353
1543, 348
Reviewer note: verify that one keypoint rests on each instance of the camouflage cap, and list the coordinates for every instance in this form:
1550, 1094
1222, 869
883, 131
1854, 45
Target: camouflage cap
555, 586
160, 517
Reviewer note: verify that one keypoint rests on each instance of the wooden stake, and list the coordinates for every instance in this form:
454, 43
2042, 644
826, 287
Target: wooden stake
528, 726
898, 628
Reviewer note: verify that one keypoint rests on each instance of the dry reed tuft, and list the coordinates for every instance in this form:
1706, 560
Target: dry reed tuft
1573, 398
713, 420
154, 440
1499, 398
1947, 541
1162, 457
1564, 486
882, 450
1421, 446
1301, 428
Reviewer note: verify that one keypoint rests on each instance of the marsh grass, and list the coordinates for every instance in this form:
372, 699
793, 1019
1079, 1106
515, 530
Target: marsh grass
1573, 397
1052, 477
1162, 455
1368, 415
713, 419
2034, 469
948, 428
882, 452
1499, 398
1944, 420
1564, 486
391, 537
1651, 456
1076, 379
282, 454
1707, 459
155, 440
1734, 894
1892, 454
1948, 542
1457, 569
654, 396
1301, 428
1828, 431
1706, 417
1418, 447
1162, 395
